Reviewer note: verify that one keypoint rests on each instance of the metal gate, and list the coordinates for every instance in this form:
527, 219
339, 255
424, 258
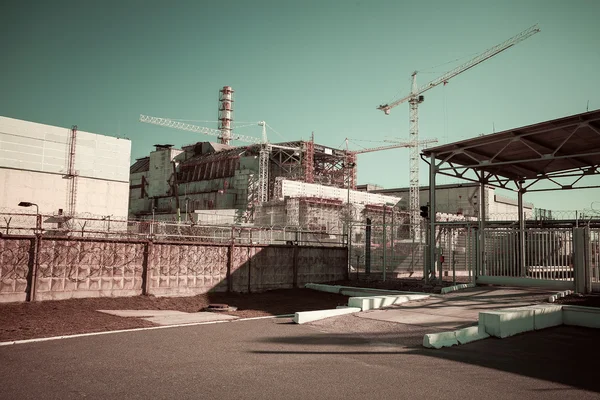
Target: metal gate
389, 251
547, 259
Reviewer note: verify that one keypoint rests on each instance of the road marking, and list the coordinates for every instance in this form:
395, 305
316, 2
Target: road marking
151, 328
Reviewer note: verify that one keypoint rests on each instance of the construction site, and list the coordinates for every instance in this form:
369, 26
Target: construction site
245, 190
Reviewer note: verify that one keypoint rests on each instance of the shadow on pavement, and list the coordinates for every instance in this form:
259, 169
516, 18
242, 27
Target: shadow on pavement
564, 354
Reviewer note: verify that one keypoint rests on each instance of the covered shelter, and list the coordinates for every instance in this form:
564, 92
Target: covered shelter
561, 154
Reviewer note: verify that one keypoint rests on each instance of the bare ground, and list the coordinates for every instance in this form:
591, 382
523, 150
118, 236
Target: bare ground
588, 300
66, 317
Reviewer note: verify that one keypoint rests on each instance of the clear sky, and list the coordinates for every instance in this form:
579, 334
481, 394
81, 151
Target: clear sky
303, 66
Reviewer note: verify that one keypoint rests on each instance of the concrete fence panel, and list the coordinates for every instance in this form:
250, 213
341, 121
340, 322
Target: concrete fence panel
187, 269
37, 268
83, 268
16, 259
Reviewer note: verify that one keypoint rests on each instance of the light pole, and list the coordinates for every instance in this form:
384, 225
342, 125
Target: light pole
38, 218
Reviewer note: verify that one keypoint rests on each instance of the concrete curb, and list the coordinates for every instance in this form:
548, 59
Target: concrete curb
309, 316
457, 287
558, 295
337, 289
366, 303
451, 338
511, 321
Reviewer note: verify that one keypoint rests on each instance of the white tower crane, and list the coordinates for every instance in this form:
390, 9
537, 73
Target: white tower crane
415, 97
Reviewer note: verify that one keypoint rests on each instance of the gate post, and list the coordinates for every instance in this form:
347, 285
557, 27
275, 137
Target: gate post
581, 260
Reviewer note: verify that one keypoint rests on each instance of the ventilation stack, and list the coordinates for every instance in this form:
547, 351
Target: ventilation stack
225, 113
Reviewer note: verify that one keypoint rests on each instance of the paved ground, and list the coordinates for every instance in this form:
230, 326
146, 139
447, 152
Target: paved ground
277, 359
458, 309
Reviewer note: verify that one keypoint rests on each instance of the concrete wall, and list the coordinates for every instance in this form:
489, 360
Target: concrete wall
94, 196
76, 268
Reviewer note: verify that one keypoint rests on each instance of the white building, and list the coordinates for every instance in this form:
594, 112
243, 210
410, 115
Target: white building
461, 199
41, 164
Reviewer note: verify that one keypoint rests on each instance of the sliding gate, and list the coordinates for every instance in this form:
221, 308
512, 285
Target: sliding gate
546, 261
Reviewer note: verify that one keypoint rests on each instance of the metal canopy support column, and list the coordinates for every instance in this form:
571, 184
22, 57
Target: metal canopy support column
522, 266
432, 172
482, 216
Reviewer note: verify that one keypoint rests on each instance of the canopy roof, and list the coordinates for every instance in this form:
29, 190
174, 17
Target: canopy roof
540, 151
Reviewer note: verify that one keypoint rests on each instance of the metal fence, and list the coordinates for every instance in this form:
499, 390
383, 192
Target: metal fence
548, 253
105, 227
595, 255
375, 248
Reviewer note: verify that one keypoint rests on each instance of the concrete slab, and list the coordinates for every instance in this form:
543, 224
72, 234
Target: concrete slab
418, 318
140, 313
366, 303
170, 317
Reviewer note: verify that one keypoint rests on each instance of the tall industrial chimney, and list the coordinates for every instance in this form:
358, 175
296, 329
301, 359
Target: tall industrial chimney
225, 113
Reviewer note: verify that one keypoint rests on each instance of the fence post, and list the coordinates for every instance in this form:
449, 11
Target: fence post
249, 268
295, 266
230, 261
146, 267
581, 260
33, 271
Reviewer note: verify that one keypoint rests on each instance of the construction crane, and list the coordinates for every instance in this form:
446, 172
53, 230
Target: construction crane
265, 149
393, 146
351, 159
415, 97
169, 123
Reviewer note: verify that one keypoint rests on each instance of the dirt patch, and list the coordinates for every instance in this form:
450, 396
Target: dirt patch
589, 300
66, 317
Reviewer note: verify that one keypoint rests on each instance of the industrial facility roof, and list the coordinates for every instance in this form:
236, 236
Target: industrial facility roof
532, 152
140, 165
213, 156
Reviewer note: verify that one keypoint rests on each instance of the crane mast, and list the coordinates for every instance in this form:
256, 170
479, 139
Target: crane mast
415, 97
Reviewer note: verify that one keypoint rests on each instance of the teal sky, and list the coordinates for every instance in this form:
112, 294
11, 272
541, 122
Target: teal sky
303, 66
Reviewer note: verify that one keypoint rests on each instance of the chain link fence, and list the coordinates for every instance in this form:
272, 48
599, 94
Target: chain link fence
14, 223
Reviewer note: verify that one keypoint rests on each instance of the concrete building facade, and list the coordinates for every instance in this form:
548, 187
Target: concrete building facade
63, 170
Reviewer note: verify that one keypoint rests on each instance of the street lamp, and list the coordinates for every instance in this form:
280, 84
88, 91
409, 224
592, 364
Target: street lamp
38, 217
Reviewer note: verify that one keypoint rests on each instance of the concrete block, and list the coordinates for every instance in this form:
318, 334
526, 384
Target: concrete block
439, 340
470, 334
545, 315
507, 322
581, 316
374, 302
308, 316
457, 287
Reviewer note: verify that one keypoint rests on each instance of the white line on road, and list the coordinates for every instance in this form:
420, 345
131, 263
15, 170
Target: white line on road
46, 339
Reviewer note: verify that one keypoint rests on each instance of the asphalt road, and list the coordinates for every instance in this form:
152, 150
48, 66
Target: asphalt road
276, 359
